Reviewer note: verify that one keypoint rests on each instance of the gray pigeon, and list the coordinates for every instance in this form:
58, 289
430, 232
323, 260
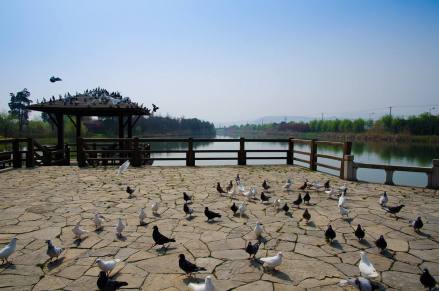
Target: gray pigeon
53, 251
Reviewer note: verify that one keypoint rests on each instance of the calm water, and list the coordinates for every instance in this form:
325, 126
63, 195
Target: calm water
378, 153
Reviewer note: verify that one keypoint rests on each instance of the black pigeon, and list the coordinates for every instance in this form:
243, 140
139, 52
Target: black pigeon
230, 186
394, 210
234, 208
306, 197
130, 191
210, 214
417, 224
187, 210
154, 108
106, 284
238, 179
326, 185
427, 280
186, 197
330, 234
303, 187
159, 238
359, 232
265, 185
54, 79
187, 266
286, 208
298, 201
306, 215
264, 197
219, 188
252, 249
381, 243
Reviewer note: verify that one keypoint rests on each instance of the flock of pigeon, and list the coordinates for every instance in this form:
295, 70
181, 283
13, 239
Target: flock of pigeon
232, 190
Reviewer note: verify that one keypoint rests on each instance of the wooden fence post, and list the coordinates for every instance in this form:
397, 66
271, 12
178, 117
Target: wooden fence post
190, 155
242, 156
313, 155
66, 155
16, 155
30, 154
290, 153
80, 152
347, 148
135, 157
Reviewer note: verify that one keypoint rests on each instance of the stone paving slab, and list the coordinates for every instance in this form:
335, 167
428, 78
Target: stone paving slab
46, 202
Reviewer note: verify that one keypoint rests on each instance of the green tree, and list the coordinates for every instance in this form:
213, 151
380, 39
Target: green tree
17, 105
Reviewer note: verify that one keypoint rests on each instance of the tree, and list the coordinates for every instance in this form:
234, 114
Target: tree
17, 105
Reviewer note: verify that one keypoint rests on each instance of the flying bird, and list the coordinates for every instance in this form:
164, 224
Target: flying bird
381, 243
154, 108
187, 266
160, 239
272, 262
107, 266
206, 286
54, 79
366, 267
359, 232
104, 283
427, 280
53, 251
8, 250
252, 250
210, 214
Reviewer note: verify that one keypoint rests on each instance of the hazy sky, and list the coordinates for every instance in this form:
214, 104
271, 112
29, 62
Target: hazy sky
227, 60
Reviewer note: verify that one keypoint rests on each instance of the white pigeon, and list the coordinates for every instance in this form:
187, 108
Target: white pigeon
341, 199
330, 192
241, 209
123, 167
317, 185
119, 227
360, 283
142, 215
98, 220
272, 262
384, 199
206, 286
366, 267
344, 211
233, 192
107, 266
8, 250
277, 203
78, 231
343, 188
288, 184
258, 229
155, 207
250, 194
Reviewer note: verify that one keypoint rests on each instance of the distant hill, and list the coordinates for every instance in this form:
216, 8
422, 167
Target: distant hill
267, 119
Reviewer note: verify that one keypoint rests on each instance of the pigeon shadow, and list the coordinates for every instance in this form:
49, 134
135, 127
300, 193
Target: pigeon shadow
143, 224
364, 242
77, 242
280, 275
53, 264
156, 214
190, 217
163, 250
310, 223
421, 233
262, 240
289, 214
348, 219
387, 254
8, 265
212, 221
336, 244
99, 230
243, 216
255, 263
121, 237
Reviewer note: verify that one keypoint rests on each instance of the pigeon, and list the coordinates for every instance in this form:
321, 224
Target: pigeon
220, 189
155, 108
98, 220
78, 231
342, 199
54, 79
123, 167
206, 286
306, 215
53, 251
142, 216
427, 280
303, 187
286, 208
317, 186
306, 198
233, 192
155, 207
250, 194
287, 185
238, 179
130, 192
417, 224
343, 188
298, 201
276, 203
359, 232
394, 210
107, 266
210, 214
264, 198
366, 267
160, 239
230, 186
329, 234
343, 211
187, 198
242, 209
187, 210
381, 243
384, 199
106, 284
272, 262
326, 185
258, 229
265, 185
360, 283
187, 266
119, 227
252, 249
8, 250
330, 192
234, 208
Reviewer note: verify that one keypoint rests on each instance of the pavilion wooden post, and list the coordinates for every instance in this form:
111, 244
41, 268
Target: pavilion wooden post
242, 157
290, 153
80, 152
60, 130
30, 154
130, 126
121, 136
313, 155
347, 148
136, 156
190, 154
16, 155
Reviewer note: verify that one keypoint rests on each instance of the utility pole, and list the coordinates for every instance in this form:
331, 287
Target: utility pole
390, 111
322, 115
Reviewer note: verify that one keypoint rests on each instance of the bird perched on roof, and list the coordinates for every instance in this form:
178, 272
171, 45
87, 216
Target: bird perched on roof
98, 220
187, 210
298, 201
258, 229
187, 266
219, 188
330, 234
210, 214
206, 286
160, 239
187, 198
265, 185
272, 262
234, 208
155, 207
384, 199
154, 108
107, 266
53, 251
78, 231
394, 209
264, 198
381, 243
230, 186
241, 209
306, 215
251, 249
360, 283
306, 198
359, 232
366, 267
54, 79
8, 250
427, 280
104, 283
130, 192
142, 216
417, 224
288, 184
119, 227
